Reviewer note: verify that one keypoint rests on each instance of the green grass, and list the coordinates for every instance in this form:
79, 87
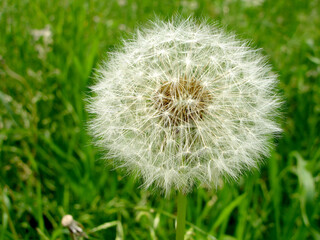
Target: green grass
48, 166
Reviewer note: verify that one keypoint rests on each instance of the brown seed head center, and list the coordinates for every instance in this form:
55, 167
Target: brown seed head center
182, 102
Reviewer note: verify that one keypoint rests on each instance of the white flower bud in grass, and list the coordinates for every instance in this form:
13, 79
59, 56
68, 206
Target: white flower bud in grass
74, 227
184, 104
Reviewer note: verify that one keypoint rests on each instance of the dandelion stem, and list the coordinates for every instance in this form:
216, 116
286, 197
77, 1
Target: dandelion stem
181, 218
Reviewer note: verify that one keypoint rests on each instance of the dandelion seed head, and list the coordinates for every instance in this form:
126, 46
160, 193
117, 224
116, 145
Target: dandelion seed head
184, 104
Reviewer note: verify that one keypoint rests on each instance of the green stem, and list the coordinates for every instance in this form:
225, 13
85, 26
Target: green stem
181, 218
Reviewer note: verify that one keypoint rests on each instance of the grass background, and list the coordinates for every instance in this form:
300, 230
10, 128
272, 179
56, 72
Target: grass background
48, 166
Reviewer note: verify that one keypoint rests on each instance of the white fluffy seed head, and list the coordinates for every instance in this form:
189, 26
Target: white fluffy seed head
184, 104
